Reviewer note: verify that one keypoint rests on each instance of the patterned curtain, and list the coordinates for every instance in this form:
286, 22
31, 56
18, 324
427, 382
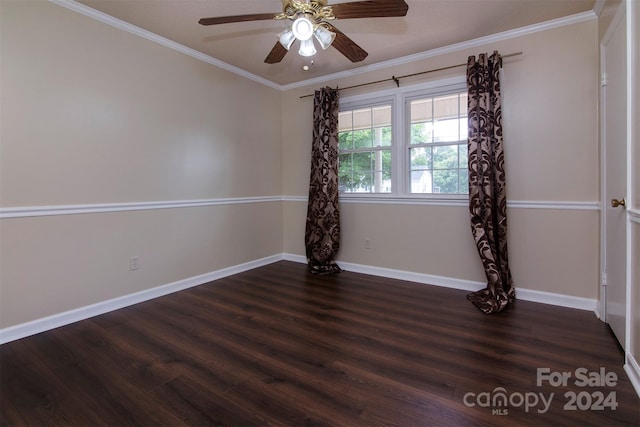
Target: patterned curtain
322, 233
487, 191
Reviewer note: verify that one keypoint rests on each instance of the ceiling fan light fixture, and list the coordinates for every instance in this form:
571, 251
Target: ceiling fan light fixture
324, 36
306, 16
307, 48
302, 28
286, 38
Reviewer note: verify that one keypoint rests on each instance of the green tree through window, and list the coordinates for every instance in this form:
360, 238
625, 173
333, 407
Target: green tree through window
365, 140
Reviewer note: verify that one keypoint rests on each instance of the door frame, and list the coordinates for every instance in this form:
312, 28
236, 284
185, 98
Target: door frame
630, 9
602, 301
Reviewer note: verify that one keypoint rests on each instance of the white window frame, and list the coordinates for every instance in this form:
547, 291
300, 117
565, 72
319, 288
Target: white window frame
399, 98
372, 103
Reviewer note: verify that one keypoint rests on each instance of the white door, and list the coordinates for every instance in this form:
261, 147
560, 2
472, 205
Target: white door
615, 176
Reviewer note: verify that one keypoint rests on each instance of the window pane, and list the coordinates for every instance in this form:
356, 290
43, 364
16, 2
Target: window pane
463, 154
385, 137
421, 110
446, 115
365, 167
464, 121
445, 181
421, 181
345, 171
445, 157
446, 130
382, 171
421, 133
363, 138
463, 180
362, 178
345, 121
386, 171
464, 128
438, 120
381, 116
421, 158
345, 140
464, 103
445, 107
362, 119
378, 135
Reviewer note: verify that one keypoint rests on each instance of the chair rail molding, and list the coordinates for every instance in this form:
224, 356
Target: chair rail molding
34, 211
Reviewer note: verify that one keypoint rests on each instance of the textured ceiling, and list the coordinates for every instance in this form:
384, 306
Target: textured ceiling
430, 24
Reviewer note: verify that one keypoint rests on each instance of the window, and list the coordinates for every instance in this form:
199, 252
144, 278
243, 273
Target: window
408, 142
365, 150
437, 144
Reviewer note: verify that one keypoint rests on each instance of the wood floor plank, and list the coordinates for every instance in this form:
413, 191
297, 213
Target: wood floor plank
197, 405
279, 346
307, 333
31, 394
266, 355
125, 357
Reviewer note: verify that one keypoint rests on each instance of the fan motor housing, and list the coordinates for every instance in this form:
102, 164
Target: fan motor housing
316, 10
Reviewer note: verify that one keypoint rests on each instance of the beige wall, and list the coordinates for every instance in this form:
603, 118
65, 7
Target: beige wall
59, 263
91, 115
550, 117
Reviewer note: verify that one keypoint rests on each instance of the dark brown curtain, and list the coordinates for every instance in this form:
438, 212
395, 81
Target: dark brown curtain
487, 190
322, 233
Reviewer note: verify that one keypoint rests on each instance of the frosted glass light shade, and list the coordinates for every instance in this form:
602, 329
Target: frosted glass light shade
324, 36
307, 48
302, 28
286, 38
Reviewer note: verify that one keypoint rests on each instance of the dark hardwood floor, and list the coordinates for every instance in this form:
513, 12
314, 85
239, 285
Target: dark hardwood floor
278, 346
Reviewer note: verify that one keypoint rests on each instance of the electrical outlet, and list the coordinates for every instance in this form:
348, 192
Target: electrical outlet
367, 244
134, 263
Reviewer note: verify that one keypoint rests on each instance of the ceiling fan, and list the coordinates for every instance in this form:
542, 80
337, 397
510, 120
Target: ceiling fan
311, 18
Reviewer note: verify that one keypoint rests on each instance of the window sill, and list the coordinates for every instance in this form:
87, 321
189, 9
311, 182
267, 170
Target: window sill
431, 200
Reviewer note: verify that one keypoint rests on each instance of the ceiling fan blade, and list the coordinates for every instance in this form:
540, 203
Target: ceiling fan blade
237, 18
370, 9
276, 55
347, 47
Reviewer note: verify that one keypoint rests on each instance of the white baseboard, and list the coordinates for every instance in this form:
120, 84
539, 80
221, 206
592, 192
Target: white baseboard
561, 300
632, 368
54, 321
50, 322
466, 285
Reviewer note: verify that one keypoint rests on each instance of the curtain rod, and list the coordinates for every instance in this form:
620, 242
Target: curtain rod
396, 80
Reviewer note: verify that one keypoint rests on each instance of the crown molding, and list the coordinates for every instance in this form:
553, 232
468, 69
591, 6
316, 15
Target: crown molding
599, 6
125, 26
506, 35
